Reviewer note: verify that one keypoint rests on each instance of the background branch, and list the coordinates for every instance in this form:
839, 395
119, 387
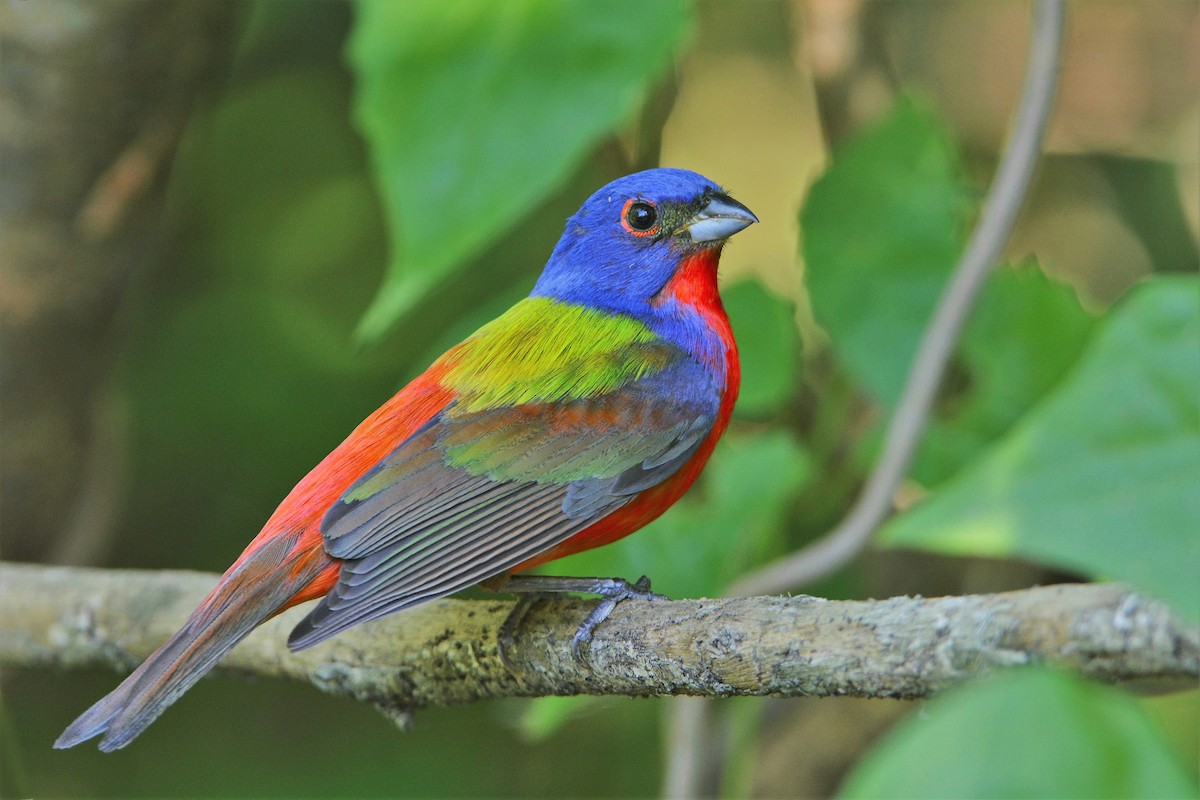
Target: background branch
1004, 201
844, 542
446, 652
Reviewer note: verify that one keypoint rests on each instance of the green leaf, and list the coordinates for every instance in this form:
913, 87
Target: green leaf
475, 111
1031, 733
882, 229
277, 208
768, 344
1102, 477
1024, 336
1026, 333
541, 717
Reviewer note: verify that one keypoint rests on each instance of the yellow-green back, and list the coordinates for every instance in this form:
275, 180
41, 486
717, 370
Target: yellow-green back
544, 350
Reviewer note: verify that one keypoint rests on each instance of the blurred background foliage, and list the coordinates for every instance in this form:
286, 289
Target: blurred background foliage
369, 182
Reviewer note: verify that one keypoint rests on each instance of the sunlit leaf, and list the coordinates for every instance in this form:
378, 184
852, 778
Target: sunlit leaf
1103, 477
1027, 734
541, 717
474, 111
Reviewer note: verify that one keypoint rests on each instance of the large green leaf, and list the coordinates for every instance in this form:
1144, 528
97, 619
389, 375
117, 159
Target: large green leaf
882, 229
1027, 331
1103, 477
474, 111
1025, 334
1028, 734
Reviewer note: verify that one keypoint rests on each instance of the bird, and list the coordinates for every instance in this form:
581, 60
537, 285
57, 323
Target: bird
571, 420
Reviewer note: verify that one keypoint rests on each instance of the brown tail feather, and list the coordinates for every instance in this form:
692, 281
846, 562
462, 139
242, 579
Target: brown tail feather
260, 586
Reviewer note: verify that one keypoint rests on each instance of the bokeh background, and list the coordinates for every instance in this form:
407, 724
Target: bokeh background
231, 230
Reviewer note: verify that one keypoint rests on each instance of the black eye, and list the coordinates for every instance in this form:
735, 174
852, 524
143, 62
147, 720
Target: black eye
640, 218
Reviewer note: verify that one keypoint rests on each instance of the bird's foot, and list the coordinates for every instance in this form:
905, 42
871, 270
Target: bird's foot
615, 591
534, 588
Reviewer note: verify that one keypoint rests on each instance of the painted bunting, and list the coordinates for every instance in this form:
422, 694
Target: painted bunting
575, 418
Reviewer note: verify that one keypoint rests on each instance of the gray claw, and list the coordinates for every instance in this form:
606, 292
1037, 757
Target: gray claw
614, 593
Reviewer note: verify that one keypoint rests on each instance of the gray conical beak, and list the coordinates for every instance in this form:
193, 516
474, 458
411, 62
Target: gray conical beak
721, 217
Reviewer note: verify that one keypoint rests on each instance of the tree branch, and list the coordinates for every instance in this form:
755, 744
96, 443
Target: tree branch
446, 652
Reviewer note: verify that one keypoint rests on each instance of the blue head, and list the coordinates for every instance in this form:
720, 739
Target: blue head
627, 241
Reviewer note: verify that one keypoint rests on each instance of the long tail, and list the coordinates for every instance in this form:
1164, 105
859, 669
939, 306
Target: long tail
262, 583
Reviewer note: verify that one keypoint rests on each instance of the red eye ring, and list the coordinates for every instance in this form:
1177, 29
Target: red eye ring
639, 217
